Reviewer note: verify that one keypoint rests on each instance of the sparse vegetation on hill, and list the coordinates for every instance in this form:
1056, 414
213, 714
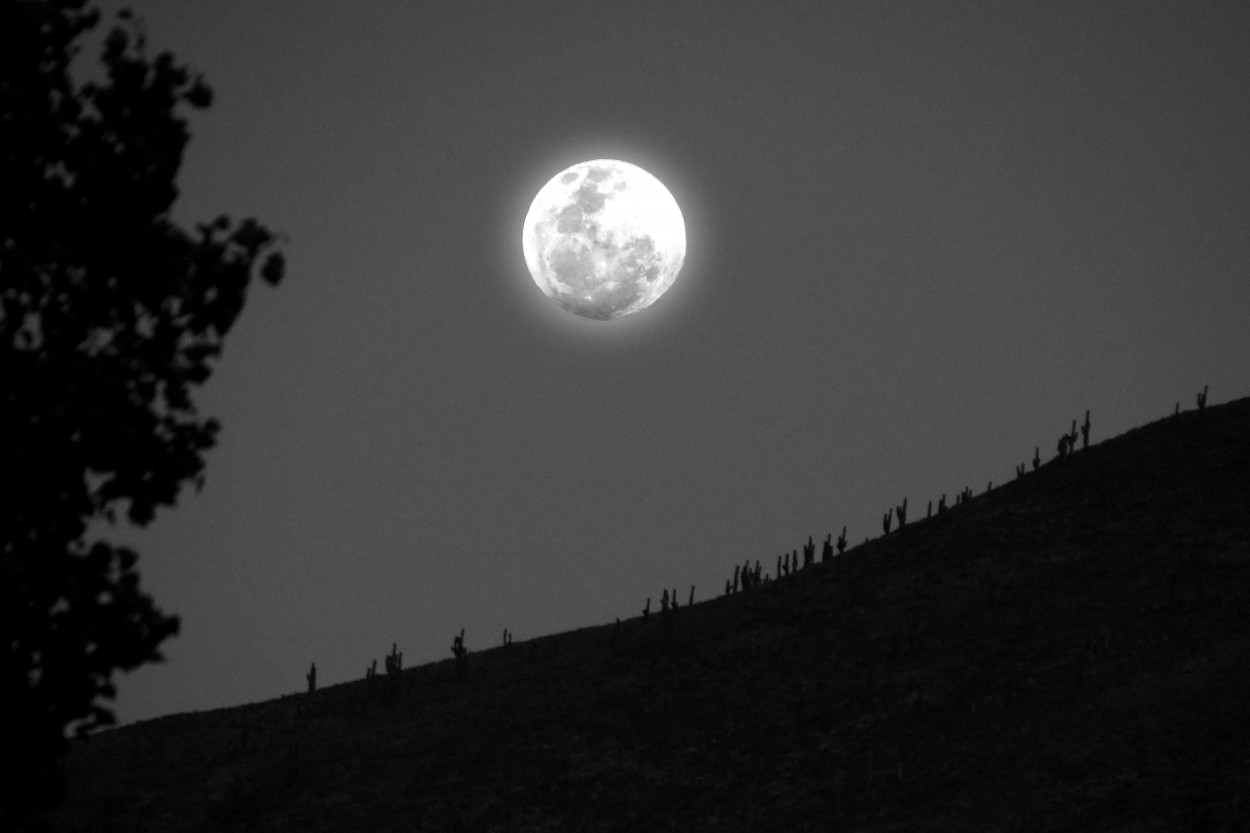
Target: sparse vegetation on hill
1065, 652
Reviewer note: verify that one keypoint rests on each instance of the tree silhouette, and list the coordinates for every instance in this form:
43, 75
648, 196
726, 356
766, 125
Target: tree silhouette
109, 315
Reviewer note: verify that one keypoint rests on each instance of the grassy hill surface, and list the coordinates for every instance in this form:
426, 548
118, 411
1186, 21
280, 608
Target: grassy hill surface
1069, 652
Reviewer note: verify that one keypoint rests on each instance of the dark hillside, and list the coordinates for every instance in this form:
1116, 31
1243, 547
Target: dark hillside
1066, 653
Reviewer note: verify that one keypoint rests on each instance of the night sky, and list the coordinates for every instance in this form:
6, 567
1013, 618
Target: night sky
922, 238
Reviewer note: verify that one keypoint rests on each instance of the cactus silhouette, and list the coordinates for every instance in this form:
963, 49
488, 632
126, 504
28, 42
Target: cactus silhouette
394, 661
462, 661
886, 519
1202, 398
1037, 458
311, 676
457, 646
842, 541
1085, 432
394, 664
900, 512
646, 611
826, 552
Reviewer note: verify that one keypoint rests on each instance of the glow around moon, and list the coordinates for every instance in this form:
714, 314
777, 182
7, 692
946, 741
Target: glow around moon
604, 239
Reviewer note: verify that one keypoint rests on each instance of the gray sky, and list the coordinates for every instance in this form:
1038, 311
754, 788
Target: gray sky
922, 238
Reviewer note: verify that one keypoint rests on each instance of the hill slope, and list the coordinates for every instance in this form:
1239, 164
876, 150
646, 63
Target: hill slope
1067, 652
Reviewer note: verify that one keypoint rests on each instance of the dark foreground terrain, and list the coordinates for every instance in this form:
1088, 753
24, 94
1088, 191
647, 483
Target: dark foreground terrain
1068, 652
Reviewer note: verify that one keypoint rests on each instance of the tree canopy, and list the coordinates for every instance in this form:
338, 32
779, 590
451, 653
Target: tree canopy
111, 315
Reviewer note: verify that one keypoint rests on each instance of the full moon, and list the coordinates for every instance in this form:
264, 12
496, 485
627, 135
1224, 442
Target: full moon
604, 239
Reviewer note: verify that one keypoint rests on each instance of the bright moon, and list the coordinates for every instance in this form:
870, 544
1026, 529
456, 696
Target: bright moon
604, 239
